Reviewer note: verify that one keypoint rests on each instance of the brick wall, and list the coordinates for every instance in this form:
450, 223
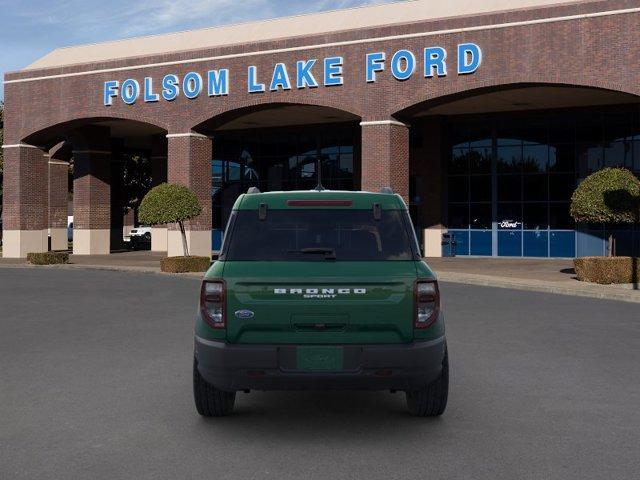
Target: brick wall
385, 158
25, 189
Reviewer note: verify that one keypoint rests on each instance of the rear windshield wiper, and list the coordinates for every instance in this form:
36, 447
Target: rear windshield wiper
329, 253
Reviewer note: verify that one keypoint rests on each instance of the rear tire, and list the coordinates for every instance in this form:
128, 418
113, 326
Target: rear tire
211, 402
432, 401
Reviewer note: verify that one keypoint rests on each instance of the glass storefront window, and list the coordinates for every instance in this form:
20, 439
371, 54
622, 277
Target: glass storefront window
535, 158
458, 216
280, 159
509, 158
509, 188
535, 187
559, 217
459, 161
509, 216
561, 186
535, 216
480, 188
458, 189
590, 158
529, 165
480, 216
618, 154
480, 159
562, 158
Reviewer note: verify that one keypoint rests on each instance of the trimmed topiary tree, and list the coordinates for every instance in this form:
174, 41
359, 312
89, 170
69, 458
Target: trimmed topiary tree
170, 203
611, 195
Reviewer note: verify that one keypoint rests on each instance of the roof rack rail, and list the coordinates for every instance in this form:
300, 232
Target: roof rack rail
387, 190
253, 190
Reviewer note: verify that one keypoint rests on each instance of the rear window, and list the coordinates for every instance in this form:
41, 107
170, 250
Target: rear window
309, 235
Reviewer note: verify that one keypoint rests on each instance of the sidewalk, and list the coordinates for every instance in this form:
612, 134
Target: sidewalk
551, 276
129, 261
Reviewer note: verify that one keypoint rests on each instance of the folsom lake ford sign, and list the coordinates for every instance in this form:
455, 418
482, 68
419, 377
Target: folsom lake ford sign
310, 73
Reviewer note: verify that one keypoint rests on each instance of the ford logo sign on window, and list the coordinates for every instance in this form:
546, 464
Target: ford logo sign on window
244, 314
509, 224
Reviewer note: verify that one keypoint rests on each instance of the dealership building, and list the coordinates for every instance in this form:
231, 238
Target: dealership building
482, 115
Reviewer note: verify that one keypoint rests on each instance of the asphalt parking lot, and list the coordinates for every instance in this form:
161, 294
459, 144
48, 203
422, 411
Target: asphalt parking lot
95, 382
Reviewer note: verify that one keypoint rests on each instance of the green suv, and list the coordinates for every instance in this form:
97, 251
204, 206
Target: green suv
320, 290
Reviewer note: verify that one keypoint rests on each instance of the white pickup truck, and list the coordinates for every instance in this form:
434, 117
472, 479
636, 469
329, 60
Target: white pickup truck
139, 237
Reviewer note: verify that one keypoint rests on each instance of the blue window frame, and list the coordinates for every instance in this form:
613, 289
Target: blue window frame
481, 242
535, 243
510, 243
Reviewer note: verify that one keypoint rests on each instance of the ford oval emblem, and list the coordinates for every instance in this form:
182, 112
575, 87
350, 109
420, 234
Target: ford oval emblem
244, 314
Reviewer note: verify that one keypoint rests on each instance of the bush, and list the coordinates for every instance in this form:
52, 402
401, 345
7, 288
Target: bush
611, 195
185, 264
48, 258
607, 270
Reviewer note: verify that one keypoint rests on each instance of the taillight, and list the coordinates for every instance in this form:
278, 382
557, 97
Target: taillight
427, 303
212, 299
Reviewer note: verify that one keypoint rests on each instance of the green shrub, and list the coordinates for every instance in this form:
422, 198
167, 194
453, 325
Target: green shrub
169, 203
607, 270
611, 195
48, 258
185, 264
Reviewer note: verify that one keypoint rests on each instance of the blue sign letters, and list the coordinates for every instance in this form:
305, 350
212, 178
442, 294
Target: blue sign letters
429, 63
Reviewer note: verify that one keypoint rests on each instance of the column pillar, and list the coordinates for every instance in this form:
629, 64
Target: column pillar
189, 164
158, 159
385, 156
427, 161
116, 240
25, 201
92, 192
58, 197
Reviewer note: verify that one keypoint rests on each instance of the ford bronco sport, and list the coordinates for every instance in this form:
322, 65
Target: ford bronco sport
320, 290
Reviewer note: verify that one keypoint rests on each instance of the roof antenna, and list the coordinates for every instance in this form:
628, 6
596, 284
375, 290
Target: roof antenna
319, 187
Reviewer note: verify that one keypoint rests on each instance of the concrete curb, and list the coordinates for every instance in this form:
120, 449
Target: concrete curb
577, 289
112, 268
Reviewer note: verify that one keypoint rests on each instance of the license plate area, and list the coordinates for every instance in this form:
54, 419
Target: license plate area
319, 358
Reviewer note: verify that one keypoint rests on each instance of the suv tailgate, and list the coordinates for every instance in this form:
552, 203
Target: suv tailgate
319, 302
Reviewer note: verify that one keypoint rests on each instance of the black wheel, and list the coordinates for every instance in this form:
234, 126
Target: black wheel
210, 402
432, 401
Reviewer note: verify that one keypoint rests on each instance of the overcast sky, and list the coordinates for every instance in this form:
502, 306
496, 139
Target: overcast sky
31, 28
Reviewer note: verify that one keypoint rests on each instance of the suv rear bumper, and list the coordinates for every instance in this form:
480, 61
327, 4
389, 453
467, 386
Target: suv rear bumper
273, 367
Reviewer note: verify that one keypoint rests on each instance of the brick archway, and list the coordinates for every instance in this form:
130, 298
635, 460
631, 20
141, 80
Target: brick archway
421, 101
36, 184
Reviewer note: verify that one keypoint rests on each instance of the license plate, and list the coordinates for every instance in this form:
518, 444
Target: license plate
320, 358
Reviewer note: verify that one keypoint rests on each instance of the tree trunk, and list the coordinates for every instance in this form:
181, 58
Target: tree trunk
135, 216
611, 250
185, 247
